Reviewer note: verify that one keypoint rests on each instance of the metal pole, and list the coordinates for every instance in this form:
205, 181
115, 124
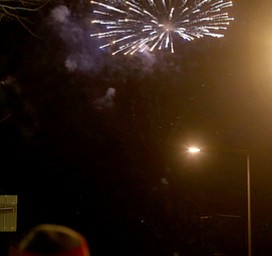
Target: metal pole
248, 208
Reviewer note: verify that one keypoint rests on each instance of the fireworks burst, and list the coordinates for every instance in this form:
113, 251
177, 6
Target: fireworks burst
139, 25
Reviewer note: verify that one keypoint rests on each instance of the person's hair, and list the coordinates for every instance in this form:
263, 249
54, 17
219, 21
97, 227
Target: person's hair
53, 240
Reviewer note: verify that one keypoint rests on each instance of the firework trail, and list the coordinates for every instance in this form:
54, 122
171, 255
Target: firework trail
140, 25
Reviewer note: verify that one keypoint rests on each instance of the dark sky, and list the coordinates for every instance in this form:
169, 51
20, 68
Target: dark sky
97, 142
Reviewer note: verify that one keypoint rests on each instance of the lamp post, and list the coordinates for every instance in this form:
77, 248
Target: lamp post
195, 150
248, 207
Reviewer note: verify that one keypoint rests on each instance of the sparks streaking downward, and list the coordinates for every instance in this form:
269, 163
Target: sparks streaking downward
139, 25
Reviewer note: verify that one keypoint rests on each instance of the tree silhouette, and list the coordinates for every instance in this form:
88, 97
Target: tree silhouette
20, 10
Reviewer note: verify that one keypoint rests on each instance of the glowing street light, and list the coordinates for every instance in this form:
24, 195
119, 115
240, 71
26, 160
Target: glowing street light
194, 150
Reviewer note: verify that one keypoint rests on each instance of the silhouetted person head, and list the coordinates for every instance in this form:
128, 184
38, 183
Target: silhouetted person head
53, 240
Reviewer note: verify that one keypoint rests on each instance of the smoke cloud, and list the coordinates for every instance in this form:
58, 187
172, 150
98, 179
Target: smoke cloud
82, 51
106, 101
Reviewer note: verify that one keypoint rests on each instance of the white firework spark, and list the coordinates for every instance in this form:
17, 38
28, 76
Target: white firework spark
139, 25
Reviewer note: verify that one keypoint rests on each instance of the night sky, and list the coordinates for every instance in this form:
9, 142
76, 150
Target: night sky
98, 142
